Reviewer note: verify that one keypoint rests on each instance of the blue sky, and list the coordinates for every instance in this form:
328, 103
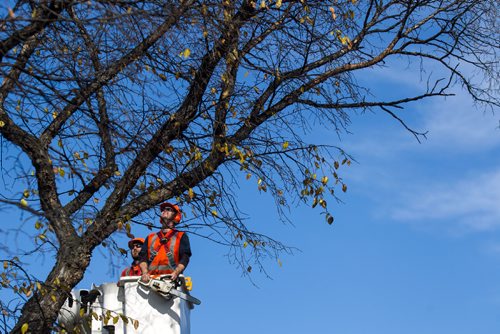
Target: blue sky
415, 246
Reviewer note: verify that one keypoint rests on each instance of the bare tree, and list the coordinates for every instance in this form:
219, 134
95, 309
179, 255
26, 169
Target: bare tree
111, 107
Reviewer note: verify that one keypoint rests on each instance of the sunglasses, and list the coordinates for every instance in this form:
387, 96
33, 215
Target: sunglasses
136, 246
168, 209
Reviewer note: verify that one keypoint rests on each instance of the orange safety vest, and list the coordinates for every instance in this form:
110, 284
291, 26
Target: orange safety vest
163, 257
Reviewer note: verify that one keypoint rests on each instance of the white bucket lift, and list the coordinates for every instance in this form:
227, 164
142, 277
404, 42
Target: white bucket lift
130, 307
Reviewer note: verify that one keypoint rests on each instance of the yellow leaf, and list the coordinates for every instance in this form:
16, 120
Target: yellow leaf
2, 124
61, 172
278, 3
53, 298
332, 10
214, 213
245, 244
24, 202
136, 324
26, 193
191, 193
5, 264
186, 53
54, 115
285, 145
117, 173
280, 263
24, 328
324, 180
263, 4
38, 225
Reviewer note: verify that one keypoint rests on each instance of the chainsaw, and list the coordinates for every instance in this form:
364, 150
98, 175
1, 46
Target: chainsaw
167, 288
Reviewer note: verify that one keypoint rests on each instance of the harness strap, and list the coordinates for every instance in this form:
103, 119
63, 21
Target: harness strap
170, 256
152, 251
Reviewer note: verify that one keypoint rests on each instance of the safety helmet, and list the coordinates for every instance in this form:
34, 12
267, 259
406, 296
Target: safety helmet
135, 240
176, 208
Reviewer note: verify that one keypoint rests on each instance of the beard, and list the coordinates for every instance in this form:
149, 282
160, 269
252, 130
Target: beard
166, 223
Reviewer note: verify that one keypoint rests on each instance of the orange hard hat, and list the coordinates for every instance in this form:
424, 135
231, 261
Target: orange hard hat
135, 240
176, 208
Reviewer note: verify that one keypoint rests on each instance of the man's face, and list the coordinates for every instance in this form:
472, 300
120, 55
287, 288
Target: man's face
167, 217
135, 250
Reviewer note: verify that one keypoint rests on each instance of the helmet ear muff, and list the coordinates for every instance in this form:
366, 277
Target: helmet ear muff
178, 216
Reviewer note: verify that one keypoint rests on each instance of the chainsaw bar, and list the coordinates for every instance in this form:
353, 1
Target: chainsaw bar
184, 296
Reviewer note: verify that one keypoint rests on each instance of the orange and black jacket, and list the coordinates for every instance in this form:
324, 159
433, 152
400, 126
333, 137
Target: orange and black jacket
163, 256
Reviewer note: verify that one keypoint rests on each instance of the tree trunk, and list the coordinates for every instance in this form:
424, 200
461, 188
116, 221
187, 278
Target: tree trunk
41, 310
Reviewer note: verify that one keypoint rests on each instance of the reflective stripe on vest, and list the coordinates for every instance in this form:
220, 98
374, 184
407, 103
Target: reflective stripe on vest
171, 256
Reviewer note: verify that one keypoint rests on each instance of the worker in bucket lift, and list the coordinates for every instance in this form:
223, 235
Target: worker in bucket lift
135, 246
167, 251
